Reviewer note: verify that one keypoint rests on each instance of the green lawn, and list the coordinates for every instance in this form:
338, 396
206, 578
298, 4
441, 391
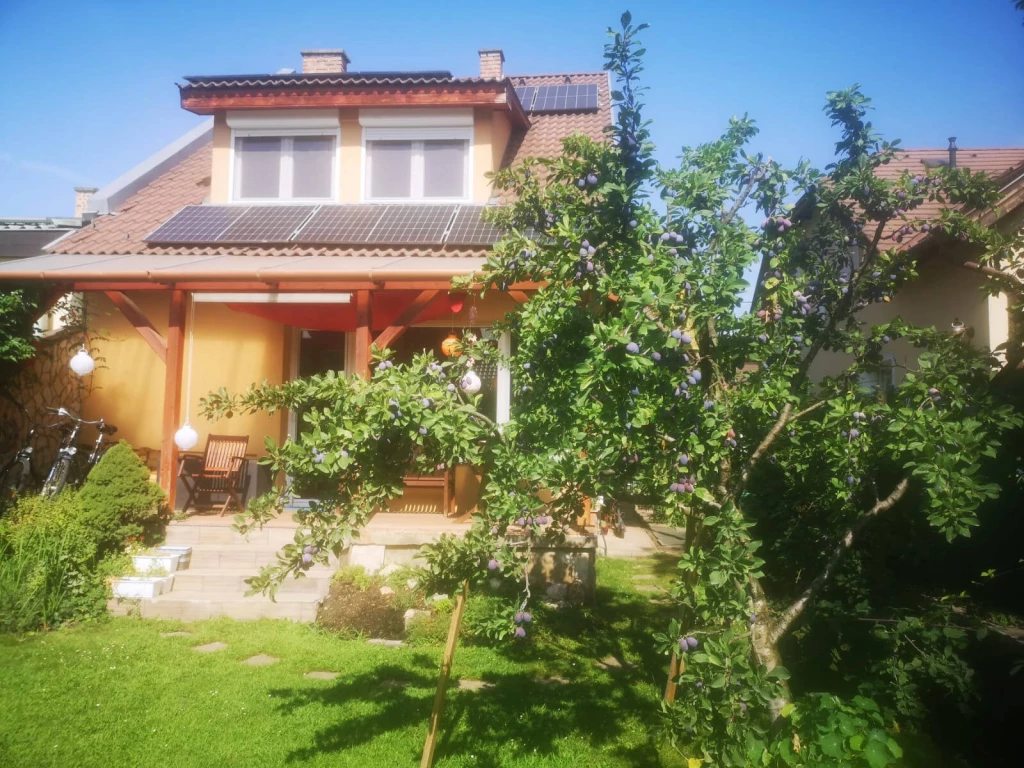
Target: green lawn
118, 694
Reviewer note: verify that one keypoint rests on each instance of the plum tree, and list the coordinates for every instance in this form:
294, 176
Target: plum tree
639, 377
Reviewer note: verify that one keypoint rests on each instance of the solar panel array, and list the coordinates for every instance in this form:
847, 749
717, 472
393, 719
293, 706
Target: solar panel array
558, 98
362, 224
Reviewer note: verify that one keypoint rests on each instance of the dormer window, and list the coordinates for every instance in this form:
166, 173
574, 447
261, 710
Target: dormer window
284, 158
417, 156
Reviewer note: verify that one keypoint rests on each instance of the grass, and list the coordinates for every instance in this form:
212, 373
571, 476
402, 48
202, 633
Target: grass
118, 694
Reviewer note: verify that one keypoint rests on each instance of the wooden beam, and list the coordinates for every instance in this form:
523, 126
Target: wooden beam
138, 319
411, 314
363, 333
519, 297
172, 395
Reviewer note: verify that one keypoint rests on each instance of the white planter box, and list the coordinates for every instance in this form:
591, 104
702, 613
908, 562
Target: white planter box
184, 554
165, 561
142, 586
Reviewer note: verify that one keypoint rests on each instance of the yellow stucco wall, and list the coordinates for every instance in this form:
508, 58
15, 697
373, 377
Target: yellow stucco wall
232, 350
491, 132
942, 293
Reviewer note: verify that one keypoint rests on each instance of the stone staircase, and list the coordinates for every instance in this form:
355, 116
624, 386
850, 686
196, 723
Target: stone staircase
213, 583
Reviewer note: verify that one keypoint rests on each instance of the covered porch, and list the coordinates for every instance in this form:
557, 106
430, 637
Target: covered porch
250, 319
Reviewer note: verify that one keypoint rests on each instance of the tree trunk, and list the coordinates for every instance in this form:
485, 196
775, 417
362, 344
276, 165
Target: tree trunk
766, 650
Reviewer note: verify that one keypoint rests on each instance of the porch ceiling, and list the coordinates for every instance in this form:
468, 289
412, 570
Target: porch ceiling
271, 269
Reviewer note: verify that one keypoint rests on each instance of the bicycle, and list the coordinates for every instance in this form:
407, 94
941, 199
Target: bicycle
63, 465
17, 474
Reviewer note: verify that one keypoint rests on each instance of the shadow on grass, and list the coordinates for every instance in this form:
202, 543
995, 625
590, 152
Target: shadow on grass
611, 708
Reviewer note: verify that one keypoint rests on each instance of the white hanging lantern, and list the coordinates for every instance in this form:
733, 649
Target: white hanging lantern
470, 383
82, 363
186, 438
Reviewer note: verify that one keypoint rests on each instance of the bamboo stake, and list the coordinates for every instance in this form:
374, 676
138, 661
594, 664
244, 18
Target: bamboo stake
446, 671
674, 669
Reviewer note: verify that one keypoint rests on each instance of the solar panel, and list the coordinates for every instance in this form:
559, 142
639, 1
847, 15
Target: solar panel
412, 224
197, 224
566, 98
469, 228
266, 224
340, 224
526, 94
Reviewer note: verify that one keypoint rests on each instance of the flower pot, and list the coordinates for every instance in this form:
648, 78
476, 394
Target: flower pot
142, 586
164, 561
184, 555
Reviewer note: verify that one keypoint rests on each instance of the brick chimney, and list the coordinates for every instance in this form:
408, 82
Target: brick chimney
491, 60
82, 197
324, 61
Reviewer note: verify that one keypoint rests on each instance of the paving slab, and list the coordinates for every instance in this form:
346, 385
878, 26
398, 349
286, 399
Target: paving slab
609, 662
261, 660
322, 675
553, 680
473, 685
175, 634
210, 647
643, 576
386, 643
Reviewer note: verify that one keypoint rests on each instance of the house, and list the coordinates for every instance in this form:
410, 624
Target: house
948, 293
311, 215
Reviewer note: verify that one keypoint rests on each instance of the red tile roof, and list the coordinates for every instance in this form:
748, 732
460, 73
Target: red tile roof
991, 160
188, 183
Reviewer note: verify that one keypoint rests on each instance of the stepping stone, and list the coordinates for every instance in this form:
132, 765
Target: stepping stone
322, 675
648, 588
386, 643
393, 683
643, 576
473, 685
210, 647
175, 634
261, 660
553, 680
609, 662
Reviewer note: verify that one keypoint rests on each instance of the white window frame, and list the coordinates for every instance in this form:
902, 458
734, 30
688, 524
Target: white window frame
285, 134
417, 135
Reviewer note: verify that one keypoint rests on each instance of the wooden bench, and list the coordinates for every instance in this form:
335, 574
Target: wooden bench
445, 480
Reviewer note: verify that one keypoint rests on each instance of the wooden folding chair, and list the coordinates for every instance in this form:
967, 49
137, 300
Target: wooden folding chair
222, 469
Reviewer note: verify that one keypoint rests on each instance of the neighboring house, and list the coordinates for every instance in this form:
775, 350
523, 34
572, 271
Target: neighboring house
946, 291
22, 237
315, 214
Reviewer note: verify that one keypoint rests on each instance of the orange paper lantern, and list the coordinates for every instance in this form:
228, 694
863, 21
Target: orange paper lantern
451, 346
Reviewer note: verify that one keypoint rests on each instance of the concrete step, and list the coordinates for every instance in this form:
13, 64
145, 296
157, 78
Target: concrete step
237, 556
185, 533
317, 581
195, 606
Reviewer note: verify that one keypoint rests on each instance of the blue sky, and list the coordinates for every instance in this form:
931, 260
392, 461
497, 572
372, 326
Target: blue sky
88, 87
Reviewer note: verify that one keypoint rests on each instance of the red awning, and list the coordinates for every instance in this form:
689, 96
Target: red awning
386, 306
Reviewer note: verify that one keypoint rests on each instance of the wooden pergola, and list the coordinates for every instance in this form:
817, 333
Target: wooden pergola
170, 347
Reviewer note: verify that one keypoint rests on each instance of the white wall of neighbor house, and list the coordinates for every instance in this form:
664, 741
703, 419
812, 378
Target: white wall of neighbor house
943, 293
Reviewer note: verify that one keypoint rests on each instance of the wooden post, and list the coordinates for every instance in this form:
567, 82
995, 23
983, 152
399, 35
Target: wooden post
172, 395
675, 668
363, 333
446, 671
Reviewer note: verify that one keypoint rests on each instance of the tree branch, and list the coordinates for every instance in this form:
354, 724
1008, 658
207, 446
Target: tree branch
783, 421
999, 274
793, 612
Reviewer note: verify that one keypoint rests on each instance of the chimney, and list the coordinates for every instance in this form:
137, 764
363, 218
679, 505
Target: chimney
491, 60
952, 151
83, 195
324, 61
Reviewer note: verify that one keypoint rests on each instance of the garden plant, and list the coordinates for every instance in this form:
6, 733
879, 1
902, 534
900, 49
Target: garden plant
639, 376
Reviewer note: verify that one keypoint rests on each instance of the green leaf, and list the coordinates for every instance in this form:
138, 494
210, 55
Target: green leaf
779, 673
877, 755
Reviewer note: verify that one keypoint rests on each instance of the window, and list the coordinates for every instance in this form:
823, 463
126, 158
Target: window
300, 167
417, 169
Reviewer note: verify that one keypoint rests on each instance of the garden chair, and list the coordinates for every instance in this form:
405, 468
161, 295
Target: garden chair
221, 469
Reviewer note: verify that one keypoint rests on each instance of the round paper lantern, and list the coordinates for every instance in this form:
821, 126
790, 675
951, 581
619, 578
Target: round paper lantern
470, 383
451, 346
455, 301
82, 363
186, 437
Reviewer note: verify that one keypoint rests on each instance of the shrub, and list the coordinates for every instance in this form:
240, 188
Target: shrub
48, 557
118, 500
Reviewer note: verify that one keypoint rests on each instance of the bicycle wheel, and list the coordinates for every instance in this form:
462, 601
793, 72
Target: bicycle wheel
57, 478
12, 483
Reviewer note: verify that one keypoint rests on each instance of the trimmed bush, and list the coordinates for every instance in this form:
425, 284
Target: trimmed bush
48, 557
118, 501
